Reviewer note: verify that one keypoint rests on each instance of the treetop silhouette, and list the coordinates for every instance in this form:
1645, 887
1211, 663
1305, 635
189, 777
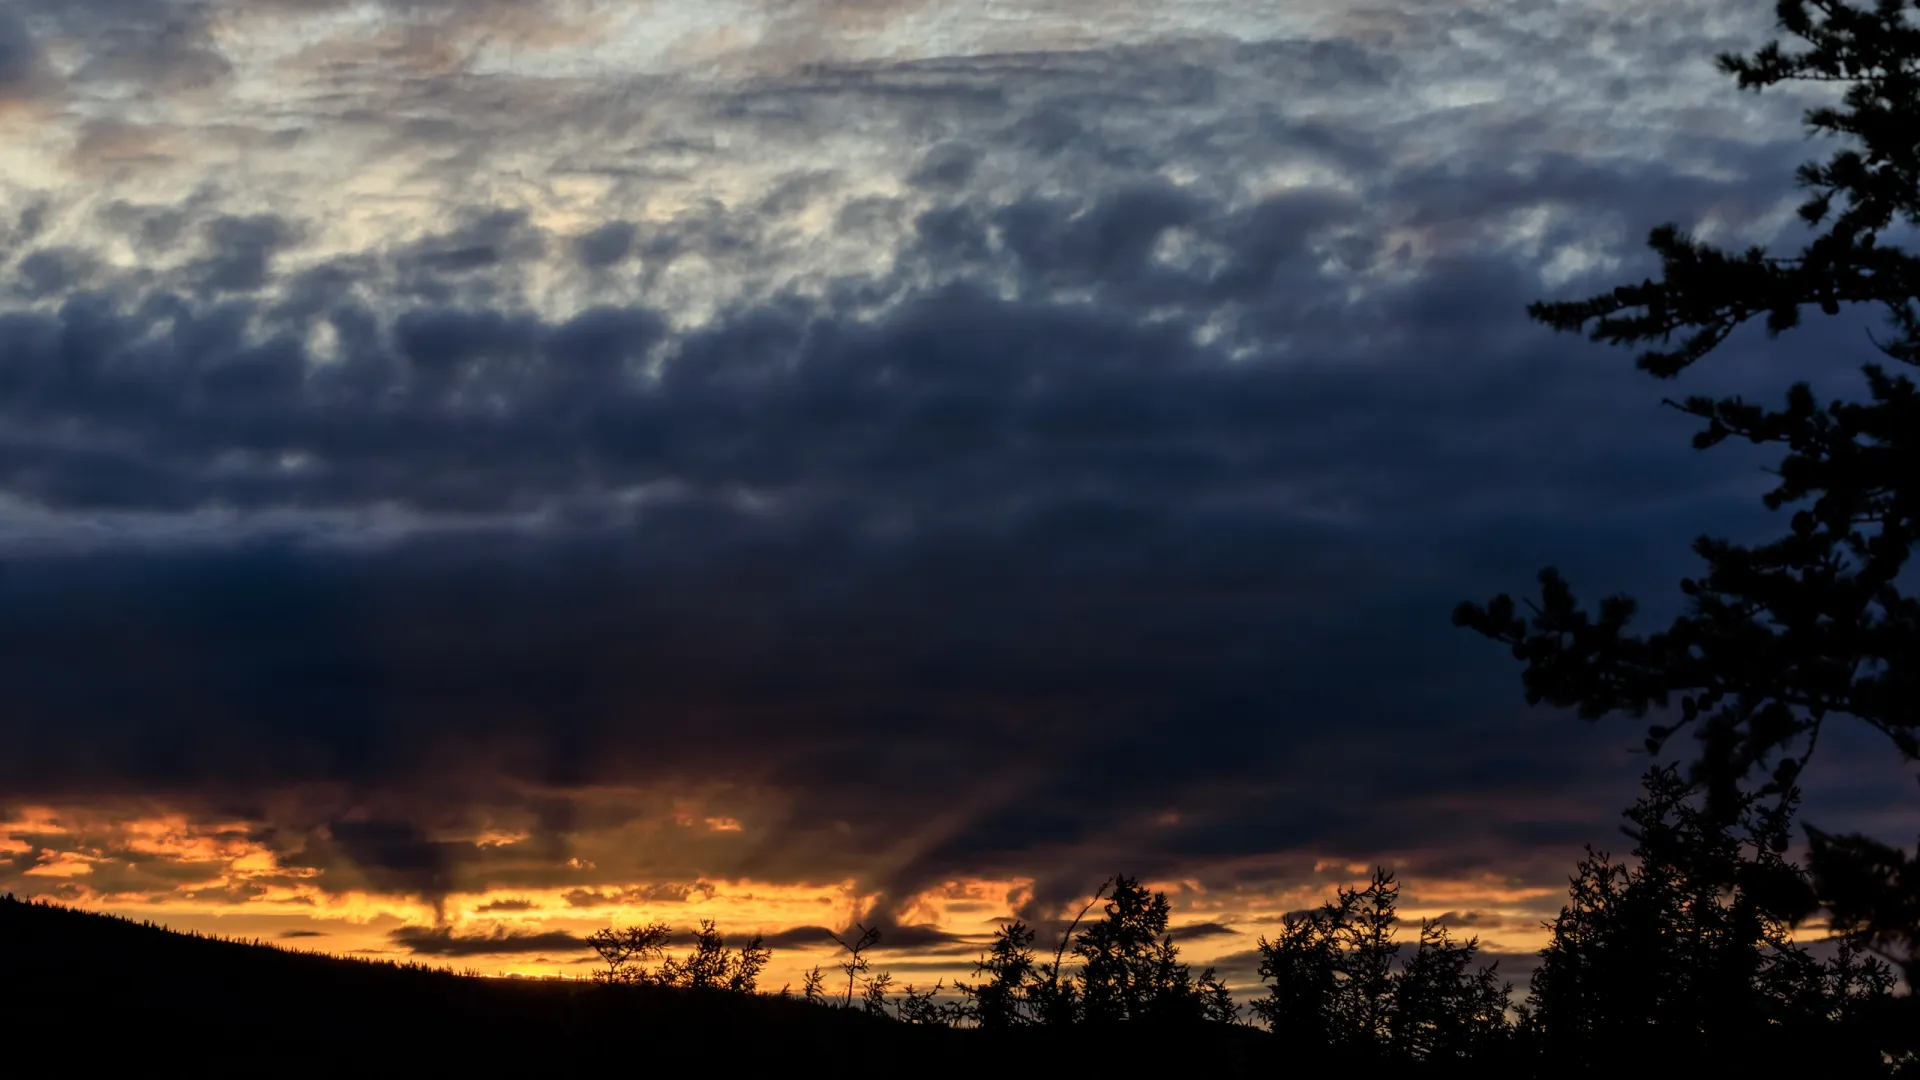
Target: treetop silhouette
1779, 638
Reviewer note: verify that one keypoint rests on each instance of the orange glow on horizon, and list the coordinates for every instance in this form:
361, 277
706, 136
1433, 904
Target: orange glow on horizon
218, 878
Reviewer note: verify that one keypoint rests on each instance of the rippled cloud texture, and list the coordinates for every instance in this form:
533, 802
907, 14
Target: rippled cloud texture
475, 469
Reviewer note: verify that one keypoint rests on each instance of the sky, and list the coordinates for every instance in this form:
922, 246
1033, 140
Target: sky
477, 471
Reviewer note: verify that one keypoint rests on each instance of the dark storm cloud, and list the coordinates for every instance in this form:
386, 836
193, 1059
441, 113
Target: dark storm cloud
1042, 565
1041, 553
392, 856
188, 385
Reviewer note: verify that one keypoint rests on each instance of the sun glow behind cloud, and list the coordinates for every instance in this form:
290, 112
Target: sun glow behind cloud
219, 878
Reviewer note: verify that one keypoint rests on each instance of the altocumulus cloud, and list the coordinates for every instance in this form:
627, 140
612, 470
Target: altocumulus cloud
939, 463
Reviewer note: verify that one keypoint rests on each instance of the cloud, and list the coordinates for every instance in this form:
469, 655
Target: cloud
442, 941
651, 893
799, 937
962, 464
1196, 931
24, 74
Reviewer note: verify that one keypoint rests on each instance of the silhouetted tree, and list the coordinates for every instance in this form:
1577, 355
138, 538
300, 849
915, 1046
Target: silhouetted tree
1128, 965
1365, 1001
711, 966
1441, 1009
924, 1007
1780, 637
1007, 998
1216, 999
1130, 970
855, 965
814, 987
1663, 956
1332, 984
627, 950
743, 975
1300, 968
1055, 992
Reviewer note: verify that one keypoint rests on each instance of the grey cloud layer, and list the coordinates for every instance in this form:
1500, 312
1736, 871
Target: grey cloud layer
1090, 498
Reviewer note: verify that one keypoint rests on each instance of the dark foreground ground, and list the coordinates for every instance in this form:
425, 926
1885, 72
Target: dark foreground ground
109, 997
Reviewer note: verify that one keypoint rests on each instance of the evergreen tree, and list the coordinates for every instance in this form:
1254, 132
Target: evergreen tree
1444, 1010
1007, 997
1130, 970
1779, 638
1364, 1000
1662, 956
1299, 968
1333, 986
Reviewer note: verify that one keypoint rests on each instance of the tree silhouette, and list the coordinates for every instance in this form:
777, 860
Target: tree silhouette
1300, 967
1365, 1000
1442, 1010
743, 974
1057, 993
1130, 970
627, 950
855, 965
1007, 997
710, 966
1662, 956
923, 1007
1332, 984
1778, 638
814, 987
1128, 963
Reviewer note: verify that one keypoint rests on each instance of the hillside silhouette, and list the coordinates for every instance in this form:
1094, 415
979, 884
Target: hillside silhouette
99, 981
